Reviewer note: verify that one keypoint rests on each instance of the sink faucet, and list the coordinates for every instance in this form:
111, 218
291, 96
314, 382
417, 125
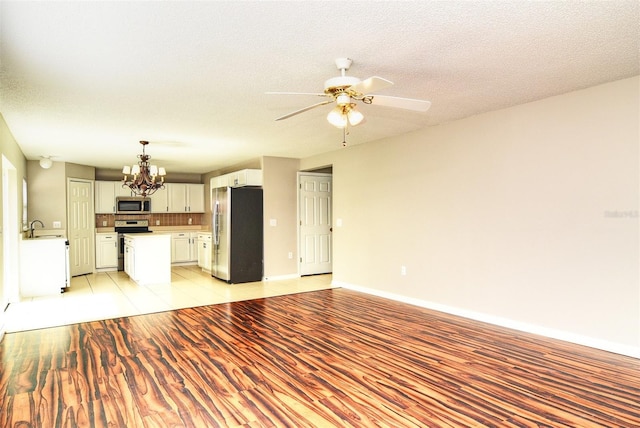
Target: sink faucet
31, 227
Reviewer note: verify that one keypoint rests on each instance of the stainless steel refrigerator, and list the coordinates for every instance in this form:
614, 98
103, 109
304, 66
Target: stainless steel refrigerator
237, 253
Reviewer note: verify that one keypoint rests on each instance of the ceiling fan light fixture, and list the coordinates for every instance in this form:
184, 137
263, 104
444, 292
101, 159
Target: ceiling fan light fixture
337, 117
354, 116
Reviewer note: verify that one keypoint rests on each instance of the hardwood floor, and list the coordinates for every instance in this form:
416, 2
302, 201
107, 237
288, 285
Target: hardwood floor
324, 358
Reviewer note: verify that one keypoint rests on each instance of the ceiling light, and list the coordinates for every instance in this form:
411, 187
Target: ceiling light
46, 162
337, 118
146, 179
354, 116
343, 114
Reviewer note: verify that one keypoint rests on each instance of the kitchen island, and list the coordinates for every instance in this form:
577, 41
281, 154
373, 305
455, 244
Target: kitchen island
147, 257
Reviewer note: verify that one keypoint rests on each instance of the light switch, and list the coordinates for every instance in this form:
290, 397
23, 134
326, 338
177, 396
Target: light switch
339, 222
273, 222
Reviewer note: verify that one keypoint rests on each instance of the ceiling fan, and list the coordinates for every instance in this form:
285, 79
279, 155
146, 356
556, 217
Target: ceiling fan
345, 91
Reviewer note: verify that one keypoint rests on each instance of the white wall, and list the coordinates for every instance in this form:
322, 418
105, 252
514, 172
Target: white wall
526, 216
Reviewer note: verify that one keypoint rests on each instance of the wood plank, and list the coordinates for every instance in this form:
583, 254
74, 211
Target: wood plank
325, 358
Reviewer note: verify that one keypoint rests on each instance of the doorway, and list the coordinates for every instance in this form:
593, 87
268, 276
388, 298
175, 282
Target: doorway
315, 223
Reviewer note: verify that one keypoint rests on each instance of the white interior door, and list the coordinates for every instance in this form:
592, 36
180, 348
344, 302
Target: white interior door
81, 226
315, 223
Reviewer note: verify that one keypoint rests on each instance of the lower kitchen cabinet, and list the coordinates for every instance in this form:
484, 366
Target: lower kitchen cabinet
184, 247
106, 250
204, 250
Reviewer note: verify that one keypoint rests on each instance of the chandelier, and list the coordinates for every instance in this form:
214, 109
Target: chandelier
145, 178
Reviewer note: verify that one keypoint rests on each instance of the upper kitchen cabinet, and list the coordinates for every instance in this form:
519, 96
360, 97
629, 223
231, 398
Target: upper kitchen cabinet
244, 177
185, 198
160, 201
106, 193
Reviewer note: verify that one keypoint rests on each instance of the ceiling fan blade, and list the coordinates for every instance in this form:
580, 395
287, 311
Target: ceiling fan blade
298, 93
286, 116
405, 103
372, 84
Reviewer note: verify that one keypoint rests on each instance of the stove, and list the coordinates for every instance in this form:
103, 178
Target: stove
128, 226
132, 226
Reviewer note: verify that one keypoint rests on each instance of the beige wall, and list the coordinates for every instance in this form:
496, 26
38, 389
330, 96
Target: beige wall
48, 190
47, 193
280, 177
10, 150
74, 170
527, 214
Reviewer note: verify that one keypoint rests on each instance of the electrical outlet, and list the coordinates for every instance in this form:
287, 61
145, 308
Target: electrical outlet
57, 225
290, 254
403, 270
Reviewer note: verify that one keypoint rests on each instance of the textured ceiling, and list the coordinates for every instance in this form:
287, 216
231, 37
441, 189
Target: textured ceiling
85, 81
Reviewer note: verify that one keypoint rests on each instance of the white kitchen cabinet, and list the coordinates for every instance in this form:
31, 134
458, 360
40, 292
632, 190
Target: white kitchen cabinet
219, 181
160, 201
204, 250
105, 197
184, 247
147, 258
185, 197
195, 197
106, 193
244, 177
129, 258
106, 250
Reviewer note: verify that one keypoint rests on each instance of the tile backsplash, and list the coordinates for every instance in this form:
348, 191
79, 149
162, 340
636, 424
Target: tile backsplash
182, 219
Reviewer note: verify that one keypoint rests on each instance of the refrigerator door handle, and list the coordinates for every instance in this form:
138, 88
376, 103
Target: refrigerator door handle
216, 224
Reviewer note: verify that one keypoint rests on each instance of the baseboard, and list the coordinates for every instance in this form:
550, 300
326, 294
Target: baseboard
617, 348
281, 277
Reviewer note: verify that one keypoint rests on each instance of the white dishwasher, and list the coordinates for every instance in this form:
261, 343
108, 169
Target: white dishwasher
44, 266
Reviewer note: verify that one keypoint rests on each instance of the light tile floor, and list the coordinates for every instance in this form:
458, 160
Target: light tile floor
106, 295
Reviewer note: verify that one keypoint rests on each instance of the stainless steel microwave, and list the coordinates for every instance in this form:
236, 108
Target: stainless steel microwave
133, 205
